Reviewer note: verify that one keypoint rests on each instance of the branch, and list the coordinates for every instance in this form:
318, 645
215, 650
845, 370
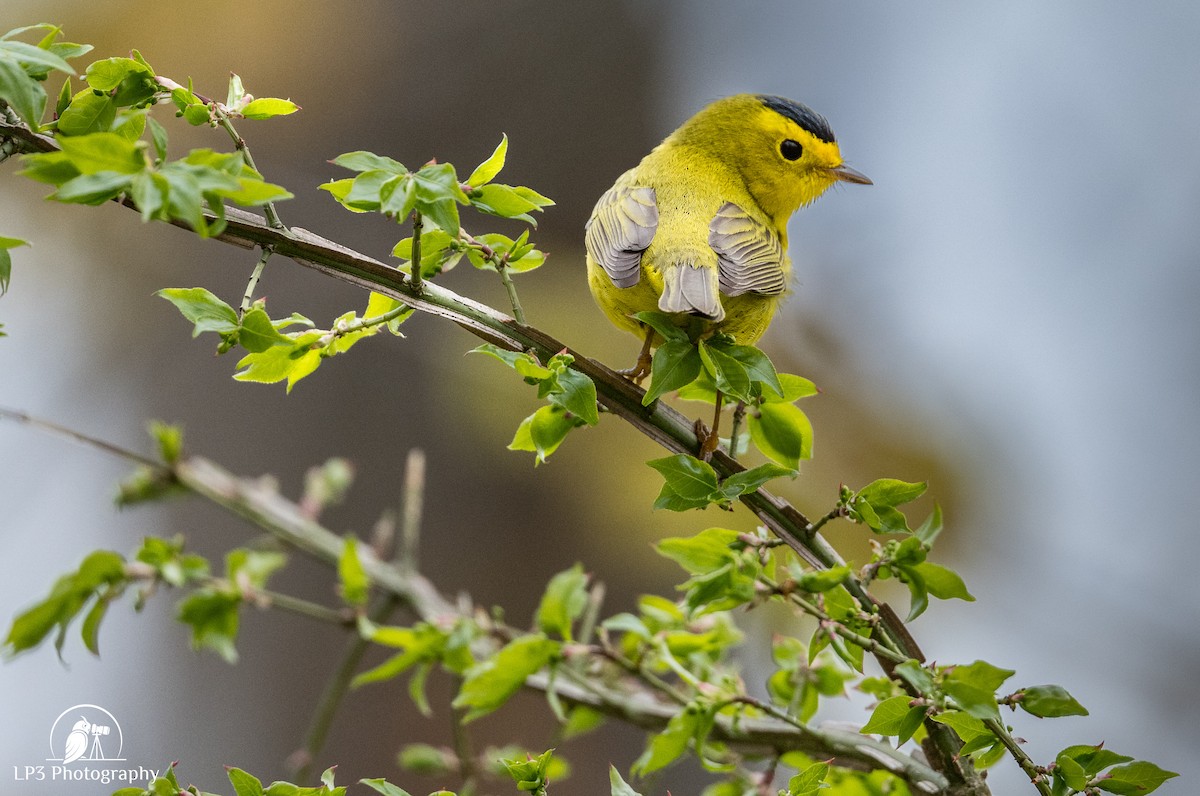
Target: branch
285, 521
659, 422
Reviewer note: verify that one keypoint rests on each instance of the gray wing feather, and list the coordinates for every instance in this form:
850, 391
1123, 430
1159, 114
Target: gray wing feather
620, 229
691, 288
750, 256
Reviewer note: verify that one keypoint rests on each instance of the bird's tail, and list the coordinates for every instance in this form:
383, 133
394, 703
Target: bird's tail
694, 289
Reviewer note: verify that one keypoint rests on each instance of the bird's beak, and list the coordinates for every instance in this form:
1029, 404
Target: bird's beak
847, 174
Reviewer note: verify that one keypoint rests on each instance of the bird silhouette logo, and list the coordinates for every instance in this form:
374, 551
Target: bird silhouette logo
85, 733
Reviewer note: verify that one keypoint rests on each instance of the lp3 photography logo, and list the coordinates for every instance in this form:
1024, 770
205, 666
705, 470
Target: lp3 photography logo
84, 741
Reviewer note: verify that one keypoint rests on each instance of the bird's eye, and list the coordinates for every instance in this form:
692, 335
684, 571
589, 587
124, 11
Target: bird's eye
791, 150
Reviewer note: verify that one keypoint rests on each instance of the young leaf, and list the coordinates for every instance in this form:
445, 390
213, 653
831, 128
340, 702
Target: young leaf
489, 684
676, 363
810, 781
258, 332
201, 307
617, 785
486, 171
577, 395
1138, 777
353, 578
750, 480
6, 260
687, 476
563, 602
267, 107
729, 375
702, 553
662, 323
782, 432
1050, 701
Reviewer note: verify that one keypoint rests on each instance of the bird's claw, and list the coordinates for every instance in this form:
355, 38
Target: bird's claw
638, 372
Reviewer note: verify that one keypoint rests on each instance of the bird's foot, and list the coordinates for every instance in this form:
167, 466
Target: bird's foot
639, 371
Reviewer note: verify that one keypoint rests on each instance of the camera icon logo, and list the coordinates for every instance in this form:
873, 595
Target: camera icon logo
85, 732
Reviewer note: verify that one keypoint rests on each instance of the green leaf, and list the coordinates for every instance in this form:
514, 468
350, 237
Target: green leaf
369, 161
750, 480
1137, 777
980, 674
33, 56
687, 476
1050, 701
543, 431
758, 367
810, 781
943, 583
213, 617
617, 785
88, 113
822, 580
891, 716
729, 375
486, 171
244, 784
353, 578
563, 602
577, 396
702, 553
92, 188
929, 530
890, 492
966, 726
669, 745
22, 93
258, 332
782, 432
68, 597
169, 439
266, 107
384, 787
491, 683
6, 260
105, 75
201, 307
676, 363
662, 323
291, 362
1094, 759
98, 152
504, 201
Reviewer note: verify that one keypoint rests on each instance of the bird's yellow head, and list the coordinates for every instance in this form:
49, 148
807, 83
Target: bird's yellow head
784, 152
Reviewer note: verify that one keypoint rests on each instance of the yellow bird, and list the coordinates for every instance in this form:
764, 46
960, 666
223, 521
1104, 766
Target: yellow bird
699, 227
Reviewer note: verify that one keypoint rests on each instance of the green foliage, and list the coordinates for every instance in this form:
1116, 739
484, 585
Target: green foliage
531, 775
689, 483
6, 260
571, 396
24, 67
675, 655
99, 579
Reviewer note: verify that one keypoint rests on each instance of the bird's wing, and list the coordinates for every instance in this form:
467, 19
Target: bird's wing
750, 256
76, 746
620, 229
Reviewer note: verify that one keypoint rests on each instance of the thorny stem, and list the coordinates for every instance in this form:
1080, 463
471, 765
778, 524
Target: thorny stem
255, 275
239, 143
735, 428
414, 278
1036, 776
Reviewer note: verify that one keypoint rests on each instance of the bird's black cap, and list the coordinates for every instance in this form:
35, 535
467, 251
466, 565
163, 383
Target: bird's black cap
802, 115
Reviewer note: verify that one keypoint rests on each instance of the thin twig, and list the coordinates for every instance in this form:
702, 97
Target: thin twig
339, 683
255, 275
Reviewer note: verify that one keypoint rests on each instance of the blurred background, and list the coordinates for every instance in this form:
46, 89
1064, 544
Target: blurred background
1009, 313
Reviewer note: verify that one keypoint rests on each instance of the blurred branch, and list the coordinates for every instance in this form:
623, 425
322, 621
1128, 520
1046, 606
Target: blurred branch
284, 520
